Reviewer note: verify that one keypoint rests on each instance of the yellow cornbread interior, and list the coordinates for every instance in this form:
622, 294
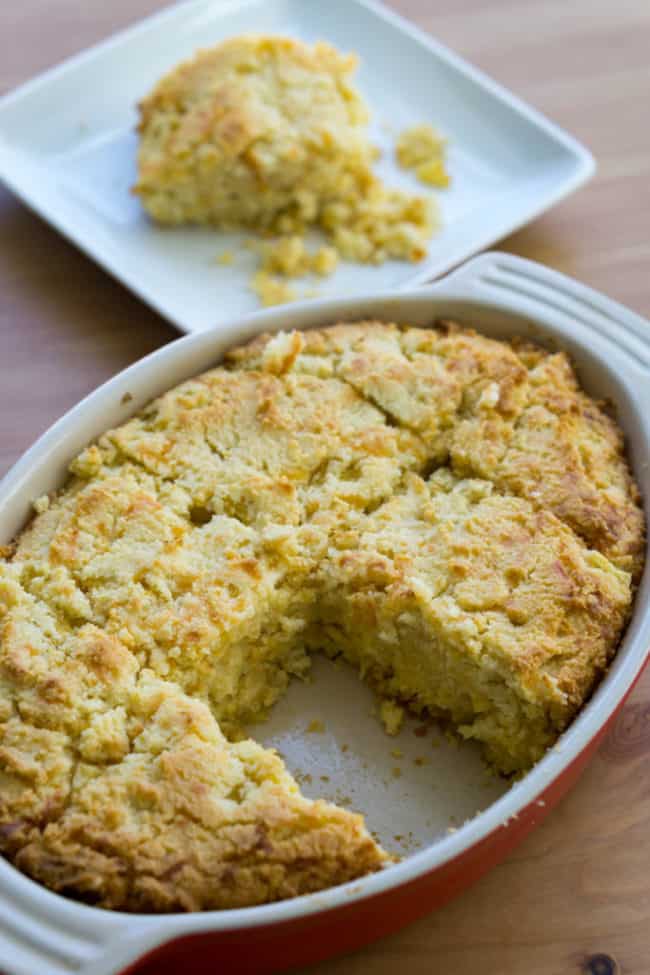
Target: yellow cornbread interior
449, 512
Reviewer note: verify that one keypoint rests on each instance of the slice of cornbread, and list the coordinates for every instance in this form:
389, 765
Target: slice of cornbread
117, 788
251, 130
474, 606
269, 133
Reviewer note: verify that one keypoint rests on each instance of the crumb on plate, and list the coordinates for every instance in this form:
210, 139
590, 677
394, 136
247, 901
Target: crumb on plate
269, 133
423, 150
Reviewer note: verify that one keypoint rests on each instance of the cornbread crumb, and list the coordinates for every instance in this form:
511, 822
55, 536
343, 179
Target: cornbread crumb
41, 504
324, 261
423, 150
433, 172
391, 716
418, 144
289, 257
271, 290
225, 257
381, 224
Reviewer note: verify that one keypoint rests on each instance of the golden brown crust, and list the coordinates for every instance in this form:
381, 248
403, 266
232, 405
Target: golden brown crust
450, 512
512, 414
229, 135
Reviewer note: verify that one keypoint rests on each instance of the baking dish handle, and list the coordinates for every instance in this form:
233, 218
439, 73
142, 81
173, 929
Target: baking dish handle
545, 295
43, 934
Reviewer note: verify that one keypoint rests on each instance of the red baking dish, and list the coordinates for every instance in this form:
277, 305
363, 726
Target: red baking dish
457, 830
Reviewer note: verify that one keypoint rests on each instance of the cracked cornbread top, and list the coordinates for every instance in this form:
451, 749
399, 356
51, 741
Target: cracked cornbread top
449, 513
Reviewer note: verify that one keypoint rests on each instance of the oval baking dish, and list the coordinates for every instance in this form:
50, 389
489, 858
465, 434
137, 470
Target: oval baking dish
502, 296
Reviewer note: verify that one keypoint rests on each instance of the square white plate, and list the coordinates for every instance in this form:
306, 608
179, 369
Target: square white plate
67, 147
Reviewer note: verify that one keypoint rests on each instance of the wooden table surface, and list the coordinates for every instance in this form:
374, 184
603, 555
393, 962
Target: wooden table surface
577, 892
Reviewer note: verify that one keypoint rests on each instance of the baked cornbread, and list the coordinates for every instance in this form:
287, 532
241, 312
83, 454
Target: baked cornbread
450, 513
516, 615
268, 133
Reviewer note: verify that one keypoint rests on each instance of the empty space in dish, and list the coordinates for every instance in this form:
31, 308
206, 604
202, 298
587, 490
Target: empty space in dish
426, 798
68, 145
411, 788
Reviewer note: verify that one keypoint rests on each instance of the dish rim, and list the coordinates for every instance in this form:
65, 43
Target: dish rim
474, 282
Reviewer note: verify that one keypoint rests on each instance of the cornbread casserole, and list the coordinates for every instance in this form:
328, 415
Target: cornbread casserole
268, 133
449, 513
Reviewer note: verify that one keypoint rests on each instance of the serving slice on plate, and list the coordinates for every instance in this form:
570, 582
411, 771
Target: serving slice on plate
269, 134
68, 147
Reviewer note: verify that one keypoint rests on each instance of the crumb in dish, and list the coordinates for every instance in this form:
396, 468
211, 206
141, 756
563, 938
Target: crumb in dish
290, 257
392, 716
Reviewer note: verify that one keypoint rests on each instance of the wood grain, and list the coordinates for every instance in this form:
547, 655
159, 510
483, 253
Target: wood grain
577, 892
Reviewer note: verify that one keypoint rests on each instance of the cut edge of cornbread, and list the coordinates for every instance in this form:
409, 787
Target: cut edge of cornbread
474, 607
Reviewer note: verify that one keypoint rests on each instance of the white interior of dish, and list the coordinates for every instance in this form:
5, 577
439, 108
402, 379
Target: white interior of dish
411, 788
428, 802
